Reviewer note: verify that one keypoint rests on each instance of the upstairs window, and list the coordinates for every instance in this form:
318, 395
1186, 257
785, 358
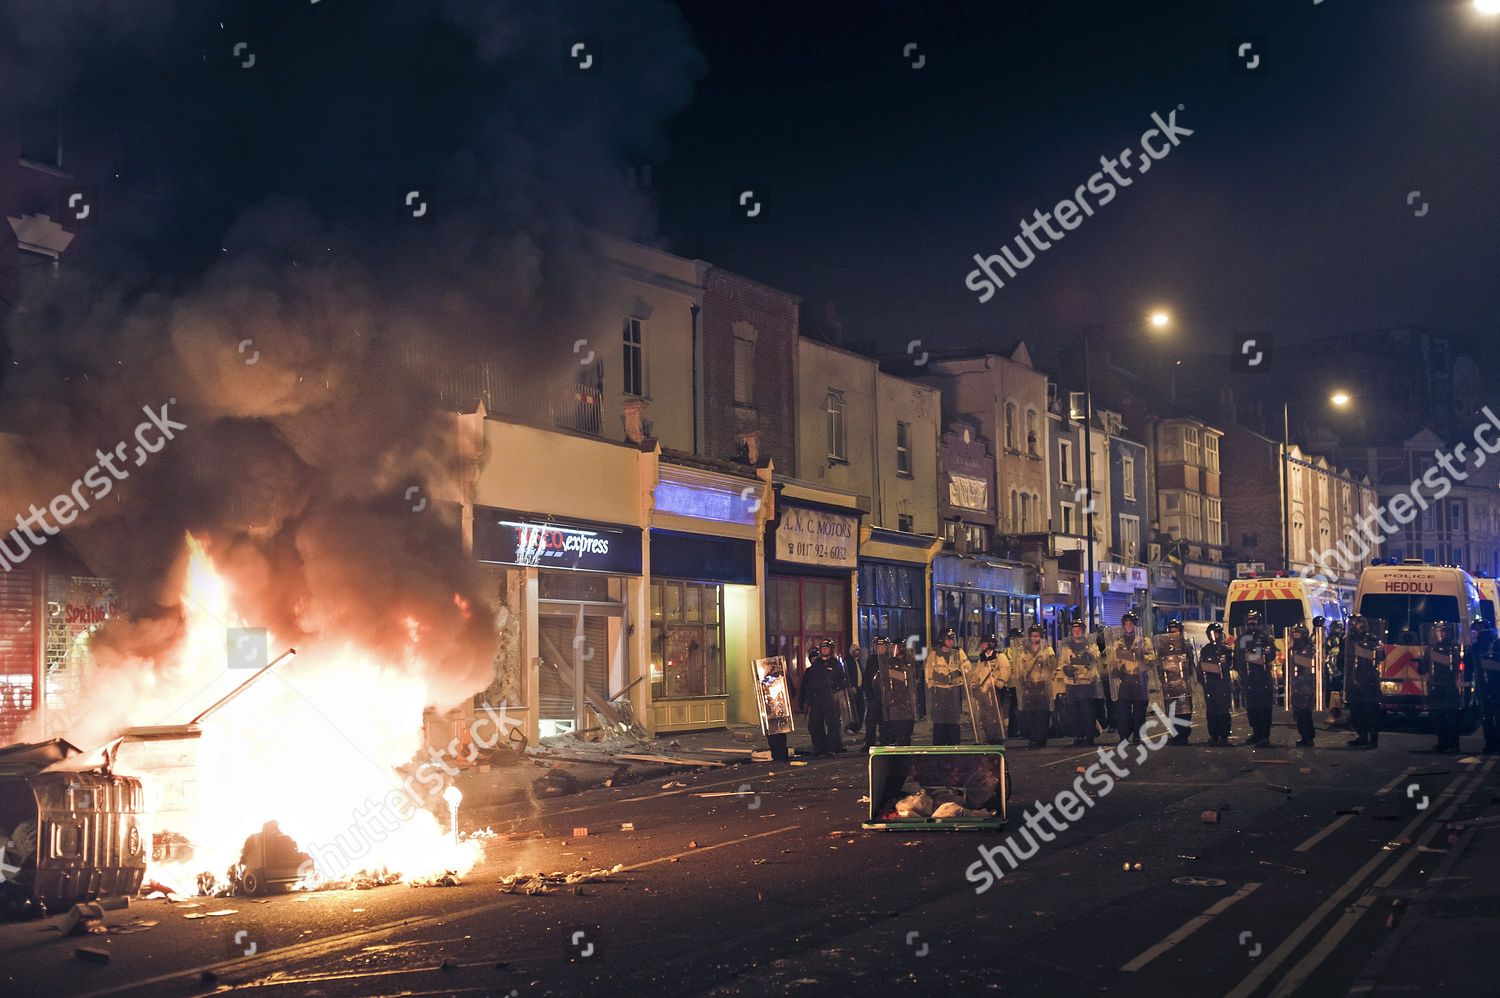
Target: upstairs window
833, 407
635, 358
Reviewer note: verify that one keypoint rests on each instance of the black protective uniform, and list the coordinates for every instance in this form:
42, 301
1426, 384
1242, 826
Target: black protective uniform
1218, 690
815, 695
1441, 658
895, 685
1303, 663
870, 697
1176, 678
1255, 651
1484, 658
854, 669
1364, 652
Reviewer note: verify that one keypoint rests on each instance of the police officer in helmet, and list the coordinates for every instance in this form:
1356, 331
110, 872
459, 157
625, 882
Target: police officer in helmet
1256, 651
1302, 660
1218, 688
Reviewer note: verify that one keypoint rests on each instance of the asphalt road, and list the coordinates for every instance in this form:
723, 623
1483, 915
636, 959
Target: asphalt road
778, 891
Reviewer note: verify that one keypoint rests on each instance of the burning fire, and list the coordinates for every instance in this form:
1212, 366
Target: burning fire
323, 745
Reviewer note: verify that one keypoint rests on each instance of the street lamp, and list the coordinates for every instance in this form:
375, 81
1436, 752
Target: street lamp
1340, 399
1157, 319
1489, 8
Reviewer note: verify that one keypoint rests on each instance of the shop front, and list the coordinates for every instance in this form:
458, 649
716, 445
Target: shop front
811, 559
50, 607
891, 591
705, 564
980, 596
1119, 589
581, 573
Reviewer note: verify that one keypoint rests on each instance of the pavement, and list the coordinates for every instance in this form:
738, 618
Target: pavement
1329, 871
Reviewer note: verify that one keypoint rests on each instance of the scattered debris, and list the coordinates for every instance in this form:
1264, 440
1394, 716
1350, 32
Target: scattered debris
1079, 769
796, 763
863, 800
1470, 759
581, 832
1293, 869
84, 919
1278, 788
548, 883
221, 912
1181, 856
1273, 762
693, 844
134, 925
557, 783
1422, 848
1131, 868
1209, 817
627, 826
1305, 770
89, 954
115, 903
760, 756
673, 785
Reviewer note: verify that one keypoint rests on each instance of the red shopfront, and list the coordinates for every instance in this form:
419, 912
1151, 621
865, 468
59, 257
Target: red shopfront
809, 578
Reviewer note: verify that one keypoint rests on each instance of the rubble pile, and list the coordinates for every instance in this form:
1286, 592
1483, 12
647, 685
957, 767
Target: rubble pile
943, 793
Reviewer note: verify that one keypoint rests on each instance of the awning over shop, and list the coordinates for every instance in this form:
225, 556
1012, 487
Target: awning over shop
1212, 587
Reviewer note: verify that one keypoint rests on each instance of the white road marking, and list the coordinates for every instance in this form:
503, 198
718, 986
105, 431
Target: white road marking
1188, 928
1392, 785
1317, 837
1278, 956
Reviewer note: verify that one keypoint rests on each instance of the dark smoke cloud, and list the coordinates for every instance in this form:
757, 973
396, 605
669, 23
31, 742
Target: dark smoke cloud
265, 204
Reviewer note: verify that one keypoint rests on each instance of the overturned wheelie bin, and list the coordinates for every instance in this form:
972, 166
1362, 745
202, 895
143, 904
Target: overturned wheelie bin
66, 834
937, 788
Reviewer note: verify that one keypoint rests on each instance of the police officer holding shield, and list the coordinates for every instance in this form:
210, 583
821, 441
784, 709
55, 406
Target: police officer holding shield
1440, 664
1255, 650
946, 668
1035, 666
1364, 652
896, 691
1130, 661
1302, 660
991, 674
1218, 690
1078, 663
1175, 660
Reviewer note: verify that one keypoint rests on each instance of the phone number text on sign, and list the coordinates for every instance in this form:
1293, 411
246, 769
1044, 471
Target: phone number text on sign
814, 537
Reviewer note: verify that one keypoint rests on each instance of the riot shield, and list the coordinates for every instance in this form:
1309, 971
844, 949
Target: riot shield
1301, 675
773, 696
984, 702
1176, 686
898, 689
1441, 649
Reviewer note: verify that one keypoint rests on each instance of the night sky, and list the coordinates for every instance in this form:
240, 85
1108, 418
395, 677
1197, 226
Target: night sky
1286, 211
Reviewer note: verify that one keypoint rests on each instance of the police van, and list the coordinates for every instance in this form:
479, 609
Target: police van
1408, 597
1282, 601
1489, 600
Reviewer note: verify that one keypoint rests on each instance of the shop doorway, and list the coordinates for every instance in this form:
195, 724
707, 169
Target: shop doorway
802, 612
579, 637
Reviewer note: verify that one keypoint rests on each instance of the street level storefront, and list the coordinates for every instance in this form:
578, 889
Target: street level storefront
705, 564
1119, 589
1207, 586
891, 594
557, 521
811, 556
50, 607
979, 596
582, 573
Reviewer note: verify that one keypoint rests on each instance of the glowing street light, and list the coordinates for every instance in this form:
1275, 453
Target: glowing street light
1342, 398
1489, 8
1161, 319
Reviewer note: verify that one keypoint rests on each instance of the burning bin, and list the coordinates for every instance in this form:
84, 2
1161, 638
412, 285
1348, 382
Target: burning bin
67, 836
973, 777
167, 757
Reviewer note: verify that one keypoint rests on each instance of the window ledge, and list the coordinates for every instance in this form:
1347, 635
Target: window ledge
837, 460
48, 168
904, 474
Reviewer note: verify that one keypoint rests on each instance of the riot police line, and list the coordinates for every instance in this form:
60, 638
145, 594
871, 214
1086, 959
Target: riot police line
1089, 683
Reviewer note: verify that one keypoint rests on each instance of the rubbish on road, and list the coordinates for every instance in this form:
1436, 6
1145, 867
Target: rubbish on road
908, 784
693, 844
89, 954
917, 805
134, 925
722, 793
760, 755
1209, 817
1131, 868
863, 800
1274, 762
674, 784
549, 883
580, 833
1349, 810
115, 903
82, 920
1470, 759
796, 763
557, 783
670, 760
1181, 856
1305, 770
221, 912
193, 915
627, 826
1278, 788
731, 751
952, 810
1079, 769
1421, 848
1293, 869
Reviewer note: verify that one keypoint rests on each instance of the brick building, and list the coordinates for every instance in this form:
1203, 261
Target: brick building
749, 344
